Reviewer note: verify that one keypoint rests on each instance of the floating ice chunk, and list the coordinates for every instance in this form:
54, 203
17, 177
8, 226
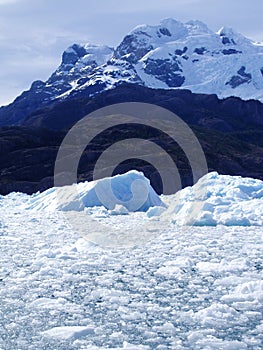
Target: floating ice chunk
119, 210
131, 190
213, 343
155, 211
206, 339
180, 261
217, 200
133, 347
205, 219
220, 316
126, 346
240, 264
246, 296
48, 303
169, 271
69, 332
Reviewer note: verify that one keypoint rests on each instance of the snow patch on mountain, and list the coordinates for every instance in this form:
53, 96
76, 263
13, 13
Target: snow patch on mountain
191, 56
169, 55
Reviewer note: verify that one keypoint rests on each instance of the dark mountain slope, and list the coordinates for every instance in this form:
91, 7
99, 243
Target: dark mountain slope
230, 132
231, 114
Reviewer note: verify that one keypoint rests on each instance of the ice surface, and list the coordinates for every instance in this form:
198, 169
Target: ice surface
247, 295
119, 210
60, 291
189, 288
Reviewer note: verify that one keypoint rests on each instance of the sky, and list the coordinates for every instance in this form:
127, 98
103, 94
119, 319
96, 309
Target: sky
34, 33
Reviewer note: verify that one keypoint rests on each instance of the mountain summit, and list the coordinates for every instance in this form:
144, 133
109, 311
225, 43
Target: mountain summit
170, 55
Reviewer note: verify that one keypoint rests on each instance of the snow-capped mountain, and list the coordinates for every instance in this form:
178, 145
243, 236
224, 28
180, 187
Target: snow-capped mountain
170, 55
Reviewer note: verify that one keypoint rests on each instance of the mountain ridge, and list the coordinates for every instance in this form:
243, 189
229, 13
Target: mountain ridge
171, 55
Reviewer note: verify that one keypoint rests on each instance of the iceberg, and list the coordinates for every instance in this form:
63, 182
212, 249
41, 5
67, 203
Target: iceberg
217, 200
131, 191
214, 200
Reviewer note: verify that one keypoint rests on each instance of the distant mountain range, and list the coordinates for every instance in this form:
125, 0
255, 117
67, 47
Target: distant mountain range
171, 55
213, 81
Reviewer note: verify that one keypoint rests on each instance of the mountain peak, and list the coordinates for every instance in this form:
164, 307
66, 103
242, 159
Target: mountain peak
171, 29
226, 31
197, 27
88, 51
169, 55
72, 54
231, 36
167, 29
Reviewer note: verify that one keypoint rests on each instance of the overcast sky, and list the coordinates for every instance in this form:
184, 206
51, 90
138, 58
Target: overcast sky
34, 33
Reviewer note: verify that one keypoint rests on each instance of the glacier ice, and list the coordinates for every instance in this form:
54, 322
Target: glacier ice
131, 190
214, 200
220, 200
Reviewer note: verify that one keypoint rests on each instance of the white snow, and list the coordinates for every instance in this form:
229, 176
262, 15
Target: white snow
204, 73
188, 288
208, 72
98, 53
